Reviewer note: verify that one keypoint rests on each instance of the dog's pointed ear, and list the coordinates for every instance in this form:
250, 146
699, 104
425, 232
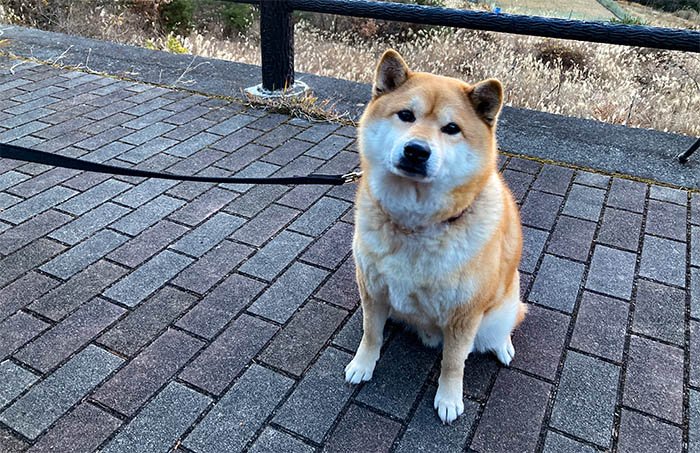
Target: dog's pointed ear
391, 73
487, 99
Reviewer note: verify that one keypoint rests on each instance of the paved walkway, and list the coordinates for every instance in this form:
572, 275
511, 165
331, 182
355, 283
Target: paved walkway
147, 315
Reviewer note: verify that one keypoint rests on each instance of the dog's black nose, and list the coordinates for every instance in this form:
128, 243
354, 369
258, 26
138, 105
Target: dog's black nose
416, 151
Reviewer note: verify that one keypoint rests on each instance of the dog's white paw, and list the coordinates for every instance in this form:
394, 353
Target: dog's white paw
449, 405
506, 352
359, 370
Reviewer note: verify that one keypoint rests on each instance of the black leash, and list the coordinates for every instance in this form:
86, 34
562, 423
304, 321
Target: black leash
55, 160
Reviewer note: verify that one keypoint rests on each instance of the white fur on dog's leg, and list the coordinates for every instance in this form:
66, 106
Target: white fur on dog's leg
449, 403
506, 352
359, 369
430, 340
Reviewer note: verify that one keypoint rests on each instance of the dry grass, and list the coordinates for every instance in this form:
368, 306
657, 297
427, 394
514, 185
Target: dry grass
621, 85
574, 9
660, 18
307, 106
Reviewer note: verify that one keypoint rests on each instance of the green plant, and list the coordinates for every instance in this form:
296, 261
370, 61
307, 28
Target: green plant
614, 8
176, 16
173, 44
169, 43
628, 20
237, 17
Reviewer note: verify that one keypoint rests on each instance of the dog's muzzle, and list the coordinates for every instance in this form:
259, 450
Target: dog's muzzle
415, 158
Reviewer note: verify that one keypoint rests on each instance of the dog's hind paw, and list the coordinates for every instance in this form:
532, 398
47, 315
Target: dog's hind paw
357, 371
449, 407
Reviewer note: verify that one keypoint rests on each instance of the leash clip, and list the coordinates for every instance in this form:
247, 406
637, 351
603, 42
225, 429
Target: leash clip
352, 176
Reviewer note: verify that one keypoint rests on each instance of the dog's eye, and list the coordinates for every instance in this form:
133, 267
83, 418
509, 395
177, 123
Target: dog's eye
451, 129
406, 116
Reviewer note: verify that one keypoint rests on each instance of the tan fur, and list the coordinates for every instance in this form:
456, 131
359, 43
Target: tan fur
490, 274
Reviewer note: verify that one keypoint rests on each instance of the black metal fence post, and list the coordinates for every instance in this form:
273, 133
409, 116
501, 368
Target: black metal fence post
277, 44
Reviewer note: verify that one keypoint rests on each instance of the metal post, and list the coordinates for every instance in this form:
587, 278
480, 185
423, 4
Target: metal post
277, 45
685, 155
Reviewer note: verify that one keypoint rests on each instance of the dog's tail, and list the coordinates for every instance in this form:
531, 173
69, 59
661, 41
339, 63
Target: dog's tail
522, 311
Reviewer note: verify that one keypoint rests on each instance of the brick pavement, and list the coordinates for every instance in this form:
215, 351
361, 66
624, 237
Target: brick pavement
147, 315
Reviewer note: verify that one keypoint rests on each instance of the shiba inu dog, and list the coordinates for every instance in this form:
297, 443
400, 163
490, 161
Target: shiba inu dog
437, 232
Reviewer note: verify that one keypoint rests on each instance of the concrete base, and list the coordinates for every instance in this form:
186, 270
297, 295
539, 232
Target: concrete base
299, 89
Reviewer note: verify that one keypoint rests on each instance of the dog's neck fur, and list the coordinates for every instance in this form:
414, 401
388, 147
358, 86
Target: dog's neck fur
419, 229
413, 207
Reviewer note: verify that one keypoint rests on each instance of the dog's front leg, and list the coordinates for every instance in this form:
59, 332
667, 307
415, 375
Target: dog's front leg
457, 344
374, 315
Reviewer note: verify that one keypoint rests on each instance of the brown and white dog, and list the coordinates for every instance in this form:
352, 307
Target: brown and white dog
437, 233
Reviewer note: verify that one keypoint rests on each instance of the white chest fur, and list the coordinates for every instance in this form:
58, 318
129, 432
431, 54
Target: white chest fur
419, 278
421, 273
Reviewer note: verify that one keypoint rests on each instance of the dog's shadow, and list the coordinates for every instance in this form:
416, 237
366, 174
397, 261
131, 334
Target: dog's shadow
408, 370
406, 366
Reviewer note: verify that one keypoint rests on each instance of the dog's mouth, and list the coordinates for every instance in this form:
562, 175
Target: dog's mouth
411, 170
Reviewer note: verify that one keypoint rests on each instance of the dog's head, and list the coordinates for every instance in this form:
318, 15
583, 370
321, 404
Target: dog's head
423, 133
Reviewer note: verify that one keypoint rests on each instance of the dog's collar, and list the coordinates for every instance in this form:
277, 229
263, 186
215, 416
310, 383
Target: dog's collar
456, 217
